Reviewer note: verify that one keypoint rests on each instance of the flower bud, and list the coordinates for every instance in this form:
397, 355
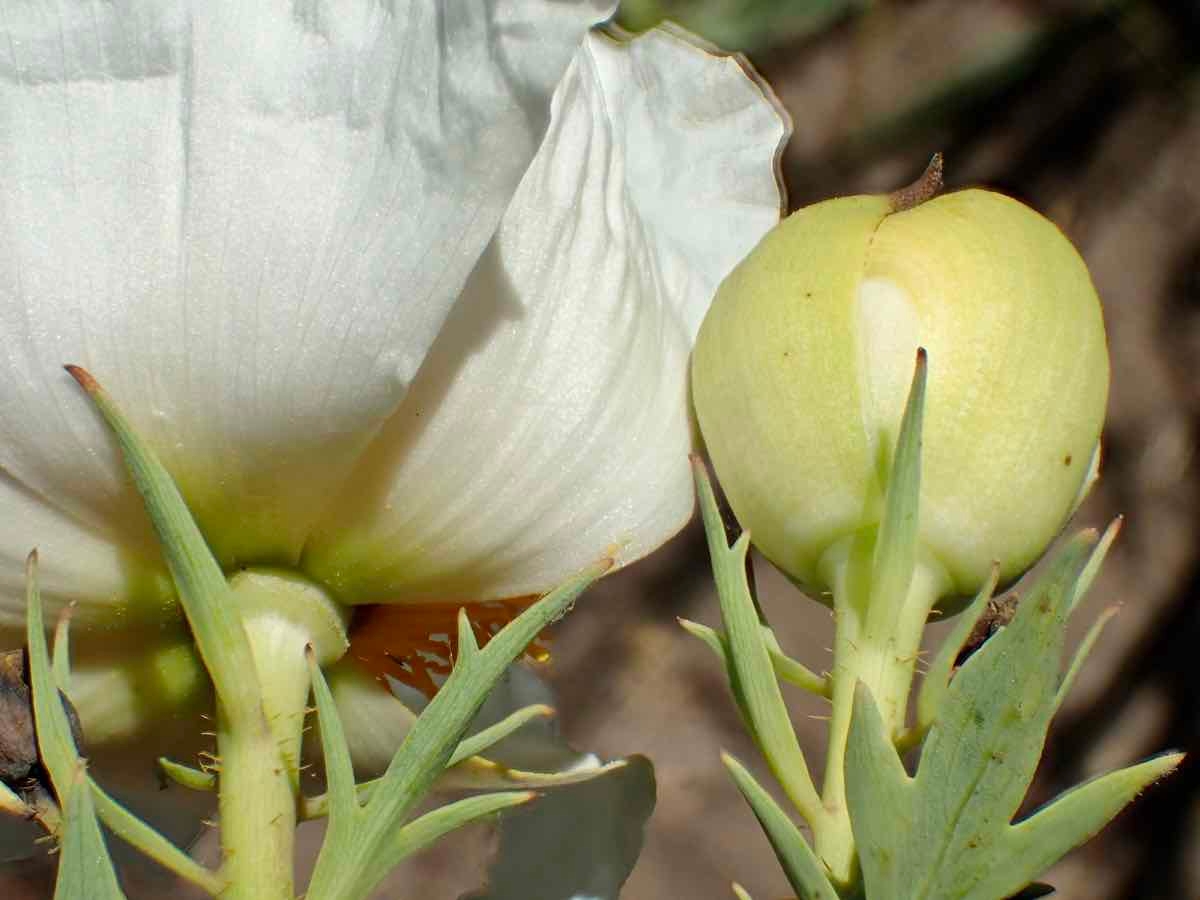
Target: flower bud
803, 364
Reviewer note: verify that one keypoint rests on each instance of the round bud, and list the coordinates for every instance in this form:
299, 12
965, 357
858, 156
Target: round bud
802, 368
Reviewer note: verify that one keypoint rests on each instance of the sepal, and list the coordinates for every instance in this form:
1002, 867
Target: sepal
751, 672
804, 871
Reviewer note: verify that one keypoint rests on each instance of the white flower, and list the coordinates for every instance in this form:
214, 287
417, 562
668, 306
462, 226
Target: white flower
378, 336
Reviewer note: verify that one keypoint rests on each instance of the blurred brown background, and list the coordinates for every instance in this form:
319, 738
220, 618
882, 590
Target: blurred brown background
1088, 111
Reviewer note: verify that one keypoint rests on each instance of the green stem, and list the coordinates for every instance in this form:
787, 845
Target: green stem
876, 644
260, 762
258, 774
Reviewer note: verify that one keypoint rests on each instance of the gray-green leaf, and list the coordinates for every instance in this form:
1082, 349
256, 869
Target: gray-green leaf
947, 833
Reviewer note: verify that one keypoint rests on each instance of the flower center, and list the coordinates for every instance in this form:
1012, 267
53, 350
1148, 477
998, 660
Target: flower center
416, 643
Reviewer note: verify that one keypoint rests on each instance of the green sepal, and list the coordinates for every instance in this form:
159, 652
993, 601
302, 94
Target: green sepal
199, 582
946, 833
751, 672
804, 871
349, 869
786, 668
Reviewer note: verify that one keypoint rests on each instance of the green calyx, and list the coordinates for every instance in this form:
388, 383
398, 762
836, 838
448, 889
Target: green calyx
803, 362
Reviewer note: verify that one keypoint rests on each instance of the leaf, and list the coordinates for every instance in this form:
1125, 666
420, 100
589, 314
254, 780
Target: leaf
56, 744
351, 869
1081, 655
144, 838
790, 670
539, 745
752, 675
804, 871
85, 871
493, 734
937, 679
946, 832
85, 854
343, 808
426, 829
199, 581
575, 843
896, 547
186, 776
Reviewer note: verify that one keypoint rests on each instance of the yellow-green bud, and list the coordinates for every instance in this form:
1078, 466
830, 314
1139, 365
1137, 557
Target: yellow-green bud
803, 364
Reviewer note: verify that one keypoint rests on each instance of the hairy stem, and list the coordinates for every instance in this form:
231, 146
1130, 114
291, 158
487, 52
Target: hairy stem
876, 644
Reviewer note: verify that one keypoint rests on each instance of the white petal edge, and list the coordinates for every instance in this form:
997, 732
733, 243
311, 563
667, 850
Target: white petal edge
550, 425
248, 220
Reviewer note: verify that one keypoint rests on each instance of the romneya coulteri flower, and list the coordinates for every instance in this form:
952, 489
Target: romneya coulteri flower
805, 359
402, 297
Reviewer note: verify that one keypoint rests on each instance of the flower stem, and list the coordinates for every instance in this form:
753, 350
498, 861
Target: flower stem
876, 644
259, 776
260, 761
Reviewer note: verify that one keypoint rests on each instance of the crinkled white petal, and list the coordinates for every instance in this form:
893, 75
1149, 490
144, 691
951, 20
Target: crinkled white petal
248, 220
549, 424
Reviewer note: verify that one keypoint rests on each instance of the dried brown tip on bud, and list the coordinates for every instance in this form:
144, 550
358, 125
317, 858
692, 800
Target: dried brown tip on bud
83, 377
925, 188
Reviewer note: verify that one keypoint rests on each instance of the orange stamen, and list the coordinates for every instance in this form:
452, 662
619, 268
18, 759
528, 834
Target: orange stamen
414, 642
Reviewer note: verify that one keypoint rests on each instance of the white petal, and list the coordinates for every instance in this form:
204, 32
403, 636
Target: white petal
248, 220
550, 423
115, 582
